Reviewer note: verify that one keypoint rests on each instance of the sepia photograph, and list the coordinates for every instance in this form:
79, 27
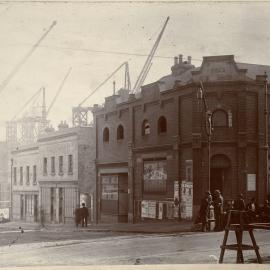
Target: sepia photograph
134, 134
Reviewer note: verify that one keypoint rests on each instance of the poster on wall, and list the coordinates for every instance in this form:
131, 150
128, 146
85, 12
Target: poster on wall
176, 199
144, 209
155, 175
251, 182
109, 185
148, 209
187, 199
4, 214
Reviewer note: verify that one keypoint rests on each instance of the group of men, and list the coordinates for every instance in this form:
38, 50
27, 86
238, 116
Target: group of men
253, 212
81, 215
217, 202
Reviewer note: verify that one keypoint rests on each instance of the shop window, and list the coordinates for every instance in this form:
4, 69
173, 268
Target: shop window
61, 165
145, 128
106, 135
70, 164
219, 118
45, 165
15, 176
52, 165
21, 175
27, 175
154, 176
120, 132
162, 125
34, 175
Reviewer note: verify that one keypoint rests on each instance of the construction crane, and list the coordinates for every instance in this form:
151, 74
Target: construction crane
26, 129
80, 114
22, 62
148, 64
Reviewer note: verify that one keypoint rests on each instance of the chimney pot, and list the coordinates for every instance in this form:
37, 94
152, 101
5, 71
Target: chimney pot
180, 58
189, 59
175, 60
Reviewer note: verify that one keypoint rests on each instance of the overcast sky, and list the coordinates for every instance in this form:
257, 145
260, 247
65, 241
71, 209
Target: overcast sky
95, 38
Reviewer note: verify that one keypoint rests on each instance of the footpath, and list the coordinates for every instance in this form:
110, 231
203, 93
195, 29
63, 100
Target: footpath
143, 227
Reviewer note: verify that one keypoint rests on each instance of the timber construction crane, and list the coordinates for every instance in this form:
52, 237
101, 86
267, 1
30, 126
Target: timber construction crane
25, 58
26, 129
148, 64
80, 114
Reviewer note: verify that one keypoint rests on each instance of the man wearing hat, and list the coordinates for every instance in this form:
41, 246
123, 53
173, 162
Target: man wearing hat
218, 209
204, 209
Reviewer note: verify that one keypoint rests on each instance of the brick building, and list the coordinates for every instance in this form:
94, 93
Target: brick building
152, 148
67, 173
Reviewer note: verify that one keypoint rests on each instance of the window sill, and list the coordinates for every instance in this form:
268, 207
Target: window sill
45, 174
53, 174
61, 173
70, 173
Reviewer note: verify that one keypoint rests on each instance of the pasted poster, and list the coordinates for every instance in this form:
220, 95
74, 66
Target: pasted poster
148, 209
176, 199
155, 175
186, 199
109, 187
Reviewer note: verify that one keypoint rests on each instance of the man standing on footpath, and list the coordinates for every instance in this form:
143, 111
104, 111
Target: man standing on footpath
218, 210
204, 210
85, 214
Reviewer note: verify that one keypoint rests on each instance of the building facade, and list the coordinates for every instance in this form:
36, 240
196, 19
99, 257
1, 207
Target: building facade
153, 159
25, 189
67, 173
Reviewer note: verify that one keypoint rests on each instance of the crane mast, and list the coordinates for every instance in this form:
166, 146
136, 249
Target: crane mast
148, 64
22, 62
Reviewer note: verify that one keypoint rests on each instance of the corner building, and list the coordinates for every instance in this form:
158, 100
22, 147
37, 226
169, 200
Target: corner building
152, 147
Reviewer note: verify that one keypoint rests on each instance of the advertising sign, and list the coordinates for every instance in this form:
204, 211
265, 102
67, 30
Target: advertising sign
187, 199
148, 209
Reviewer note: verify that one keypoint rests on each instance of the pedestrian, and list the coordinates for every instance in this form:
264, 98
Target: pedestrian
78, 216
253, 210
218, 210
85, 215
204, 210
239, 203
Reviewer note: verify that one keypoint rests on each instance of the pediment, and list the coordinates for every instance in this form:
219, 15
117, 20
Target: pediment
219, 68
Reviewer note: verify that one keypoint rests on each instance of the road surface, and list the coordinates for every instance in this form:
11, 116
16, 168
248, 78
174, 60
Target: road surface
104, 248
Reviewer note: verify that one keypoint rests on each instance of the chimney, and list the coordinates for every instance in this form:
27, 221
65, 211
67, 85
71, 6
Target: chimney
189, 60
180, 58
175, 61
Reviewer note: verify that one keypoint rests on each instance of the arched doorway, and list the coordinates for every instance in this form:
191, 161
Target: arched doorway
220, 165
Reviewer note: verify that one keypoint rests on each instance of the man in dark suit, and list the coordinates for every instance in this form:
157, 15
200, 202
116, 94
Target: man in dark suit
85, 215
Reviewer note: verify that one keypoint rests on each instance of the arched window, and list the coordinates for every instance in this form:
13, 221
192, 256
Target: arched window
219, 118
120, 132
162, 125
106, 134
145, 128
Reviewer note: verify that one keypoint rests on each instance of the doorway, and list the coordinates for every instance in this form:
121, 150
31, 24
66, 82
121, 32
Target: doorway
220, 165
123, 198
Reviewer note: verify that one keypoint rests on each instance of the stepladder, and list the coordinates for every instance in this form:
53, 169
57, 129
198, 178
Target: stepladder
236, 223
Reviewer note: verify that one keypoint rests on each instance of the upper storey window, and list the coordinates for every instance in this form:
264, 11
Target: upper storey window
219, 119
145, 127
106, 135
162, 125
120, 132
